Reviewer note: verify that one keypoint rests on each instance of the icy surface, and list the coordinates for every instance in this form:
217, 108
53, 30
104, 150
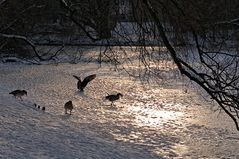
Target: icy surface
148, 122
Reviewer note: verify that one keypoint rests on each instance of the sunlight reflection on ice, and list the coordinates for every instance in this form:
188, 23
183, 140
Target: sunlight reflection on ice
153, 117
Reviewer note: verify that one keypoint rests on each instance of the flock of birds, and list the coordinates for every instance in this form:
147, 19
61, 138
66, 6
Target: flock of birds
81, 84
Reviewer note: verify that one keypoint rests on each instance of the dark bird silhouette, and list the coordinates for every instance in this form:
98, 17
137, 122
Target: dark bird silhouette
43, 108
38, 107
82, 84
18, 93
68, 106
113, 97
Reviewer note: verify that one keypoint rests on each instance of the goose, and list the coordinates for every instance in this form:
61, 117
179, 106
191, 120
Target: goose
113, 97
19, 93
68, 106
82, 84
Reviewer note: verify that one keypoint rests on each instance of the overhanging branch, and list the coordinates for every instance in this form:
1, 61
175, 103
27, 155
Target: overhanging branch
220, 98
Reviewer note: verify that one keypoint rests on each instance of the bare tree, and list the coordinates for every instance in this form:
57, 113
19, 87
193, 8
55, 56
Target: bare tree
94, 17
215, 59
205, 49
20, 22
200, 36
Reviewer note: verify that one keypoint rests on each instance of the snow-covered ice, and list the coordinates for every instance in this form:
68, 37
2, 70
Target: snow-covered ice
148, 122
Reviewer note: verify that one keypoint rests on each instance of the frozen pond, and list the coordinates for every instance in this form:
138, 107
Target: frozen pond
150, 121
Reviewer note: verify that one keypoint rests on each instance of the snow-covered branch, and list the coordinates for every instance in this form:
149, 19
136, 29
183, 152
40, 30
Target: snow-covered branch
233, 21
30, 43
13, 36
2, 1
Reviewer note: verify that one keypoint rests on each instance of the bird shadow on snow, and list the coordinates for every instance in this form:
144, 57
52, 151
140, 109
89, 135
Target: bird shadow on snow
65, 116
84, 95
111, 107
80, 93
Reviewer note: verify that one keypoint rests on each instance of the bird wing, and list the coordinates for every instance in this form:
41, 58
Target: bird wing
14, 92
108, 97
77, 77
79, 84
79, 81
87, 80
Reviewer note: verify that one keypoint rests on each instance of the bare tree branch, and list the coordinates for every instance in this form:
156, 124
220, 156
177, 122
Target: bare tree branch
223, 98
30, 43
2, 1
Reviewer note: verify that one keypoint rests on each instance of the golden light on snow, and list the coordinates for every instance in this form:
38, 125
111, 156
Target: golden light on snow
153, 117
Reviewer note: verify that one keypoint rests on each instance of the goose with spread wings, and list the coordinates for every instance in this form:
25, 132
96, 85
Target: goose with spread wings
82, 84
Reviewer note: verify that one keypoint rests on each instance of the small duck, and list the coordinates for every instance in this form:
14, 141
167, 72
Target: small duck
82, 84
68, 106
19, 93
113, 97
